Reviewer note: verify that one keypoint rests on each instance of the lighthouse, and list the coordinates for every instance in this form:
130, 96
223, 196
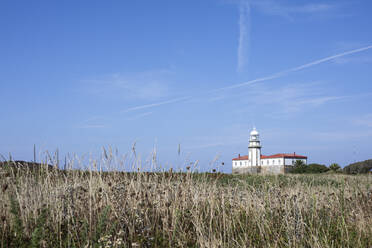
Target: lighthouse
254, 149
256, 163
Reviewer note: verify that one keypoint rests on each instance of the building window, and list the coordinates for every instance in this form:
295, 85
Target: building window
240, 163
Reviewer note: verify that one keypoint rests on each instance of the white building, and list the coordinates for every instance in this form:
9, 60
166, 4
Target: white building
254, 162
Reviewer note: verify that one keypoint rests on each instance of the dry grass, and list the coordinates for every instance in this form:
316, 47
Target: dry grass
52, 208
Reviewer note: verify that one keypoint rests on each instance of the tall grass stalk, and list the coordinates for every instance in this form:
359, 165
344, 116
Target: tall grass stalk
95, 208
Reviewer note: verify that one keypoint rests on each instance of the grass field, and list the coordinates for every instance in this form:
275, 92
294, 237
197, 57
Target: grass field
52, 208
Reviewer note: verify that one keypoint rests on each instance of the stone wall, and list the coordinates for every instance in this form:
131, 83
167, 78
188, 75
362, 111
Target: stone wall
275, 169
247, 170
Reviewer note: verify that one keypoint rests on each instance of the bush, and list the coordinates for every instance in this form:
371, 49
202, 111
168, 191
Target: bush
317, 168
301, 168
334, 167
359, 167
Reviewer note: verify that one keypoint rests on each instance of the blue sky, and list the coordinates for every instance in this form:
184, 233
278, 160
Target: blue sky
80, 75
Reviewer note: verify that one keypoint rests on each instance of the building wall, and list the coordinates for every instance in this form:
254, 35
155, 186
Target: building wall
242, 167
268, 166
240, 163
272, 161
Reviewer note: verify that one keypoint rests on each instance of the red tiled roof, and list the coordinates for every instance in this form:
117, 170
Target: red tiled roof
284, 155
279, 155
241, 158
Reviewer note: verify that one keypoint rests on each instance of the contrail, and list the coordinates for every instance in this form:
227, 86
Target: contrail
294, 69
273, 76
155, 104
329, 58
139, 116
244, 10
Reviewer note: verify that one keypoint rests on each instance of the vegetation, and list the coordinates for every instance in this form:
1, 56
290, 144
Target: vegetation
73, 208
301, 168
335, 167
359, 167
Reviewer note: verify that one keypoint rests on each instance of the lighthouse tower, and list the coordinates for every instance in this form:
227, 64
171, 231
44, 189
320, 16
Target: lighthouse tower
254, 149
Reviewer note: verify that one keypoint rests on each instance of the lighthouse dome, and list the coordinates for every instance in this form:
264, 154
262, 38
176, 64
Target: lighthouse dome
254, 132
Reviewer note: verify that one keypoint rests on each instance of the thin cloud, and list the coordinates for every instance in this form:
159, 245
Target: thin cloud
365, 120
290, 98
337, 136
152, 84
320, 61
244, 14
312, 8
262, 79
136, 117
206, 145
343, 61
321, 100
91, 126
298, 68
217, 98
93, 118
155, 104
270, 7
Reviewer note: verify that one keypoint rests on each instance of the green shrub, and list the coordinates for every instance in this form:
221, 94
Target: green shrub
334, 167
18, 228
301, 168
316, 168
359, 167
38, 233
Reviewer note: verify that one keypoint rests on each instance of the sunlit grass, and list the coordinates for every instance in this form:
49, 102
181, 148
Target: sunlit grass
48, 207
